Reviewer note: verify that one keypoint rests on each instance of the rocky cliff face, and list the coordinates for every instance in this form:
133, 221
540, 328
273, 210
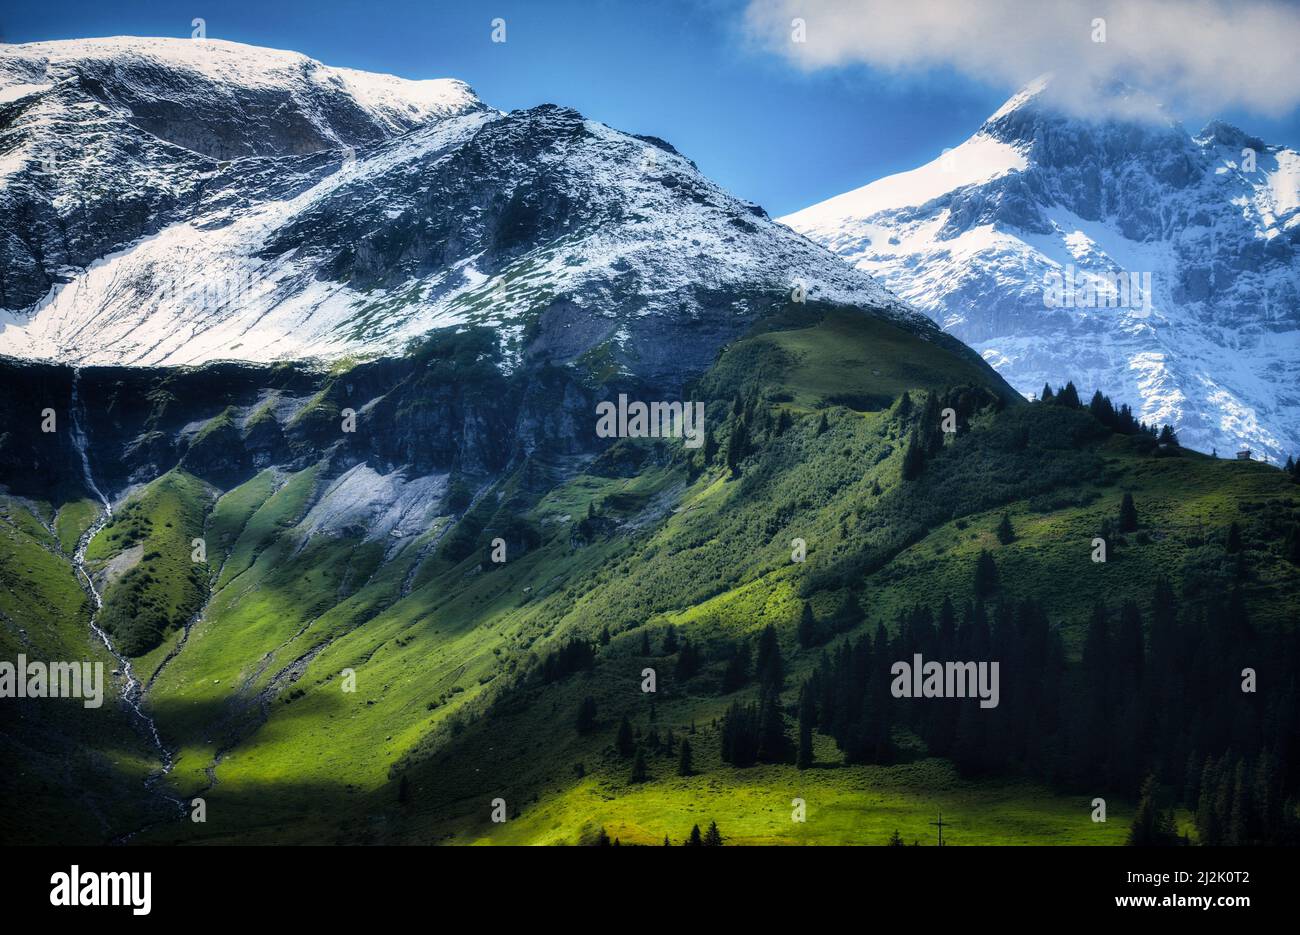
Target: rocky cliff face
352, 226
1213, 221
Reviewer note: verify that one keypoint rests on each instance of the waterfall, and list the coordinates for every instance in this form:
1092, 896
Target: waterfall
132, 690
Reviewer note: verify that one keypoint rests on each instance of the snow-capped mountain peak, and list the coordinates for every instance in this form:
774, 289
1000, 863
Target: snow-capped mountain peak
1019, 240
228, 100
128, 243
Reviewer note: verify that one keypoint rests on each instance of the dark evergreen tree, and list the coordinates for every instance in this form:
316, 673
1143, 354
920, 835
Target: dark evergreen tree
807, 718
986, 575
712, 837
1069, 396
670, 641
739, 735
913, 458
770, 668
1006, 533
773, 745
688, 660
684, 765
638, 766
1151, 827
807, 632
737, 446
710, 447
1128, 516
695, 840
624, 741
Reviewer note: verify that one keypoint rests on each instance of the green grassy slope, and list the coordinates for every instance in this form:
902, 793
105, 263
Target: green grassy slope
147, 554
457, 700
441, 697
72, 774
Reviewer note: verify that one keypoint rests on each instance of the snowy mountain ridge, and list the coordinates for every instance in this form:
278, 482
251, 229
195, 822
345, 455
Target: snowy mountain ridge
183, 90
562, 233
977, 238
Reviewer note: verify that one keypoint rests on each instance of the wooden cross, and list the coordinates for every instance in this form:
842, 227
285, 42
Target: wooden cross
939, 824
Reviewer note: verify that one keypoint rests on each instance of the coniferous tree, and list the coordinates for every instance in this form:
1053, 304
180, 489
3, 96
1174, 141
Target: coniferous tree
986, 575
1006, 533
624, 741
688, 660
896, 839
807, 715
1103, 411
1128, 516
1168, 436
695, 840
773, 745
737, 446
770, 668
1151, 827
645, 643
913, 458
1069, 396
807, 632
1047, 394
670, 641
684, 765
739, 735
638, 766
712, 837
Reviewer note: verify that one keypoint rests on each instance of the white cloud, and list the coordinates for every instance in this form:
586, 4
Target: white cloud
1207, 55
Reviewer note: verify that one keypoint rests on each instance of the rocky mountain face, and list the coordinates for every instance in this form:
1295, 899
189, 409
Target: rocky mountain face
107, 140
980, 239
366, 227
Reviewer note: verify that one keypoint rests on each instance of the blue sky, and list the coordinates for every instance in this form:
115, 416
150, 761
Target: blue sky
683, 71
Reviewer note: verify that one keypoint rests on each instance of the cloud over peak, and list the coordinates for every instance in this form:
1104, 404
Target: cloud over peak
1209, 55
